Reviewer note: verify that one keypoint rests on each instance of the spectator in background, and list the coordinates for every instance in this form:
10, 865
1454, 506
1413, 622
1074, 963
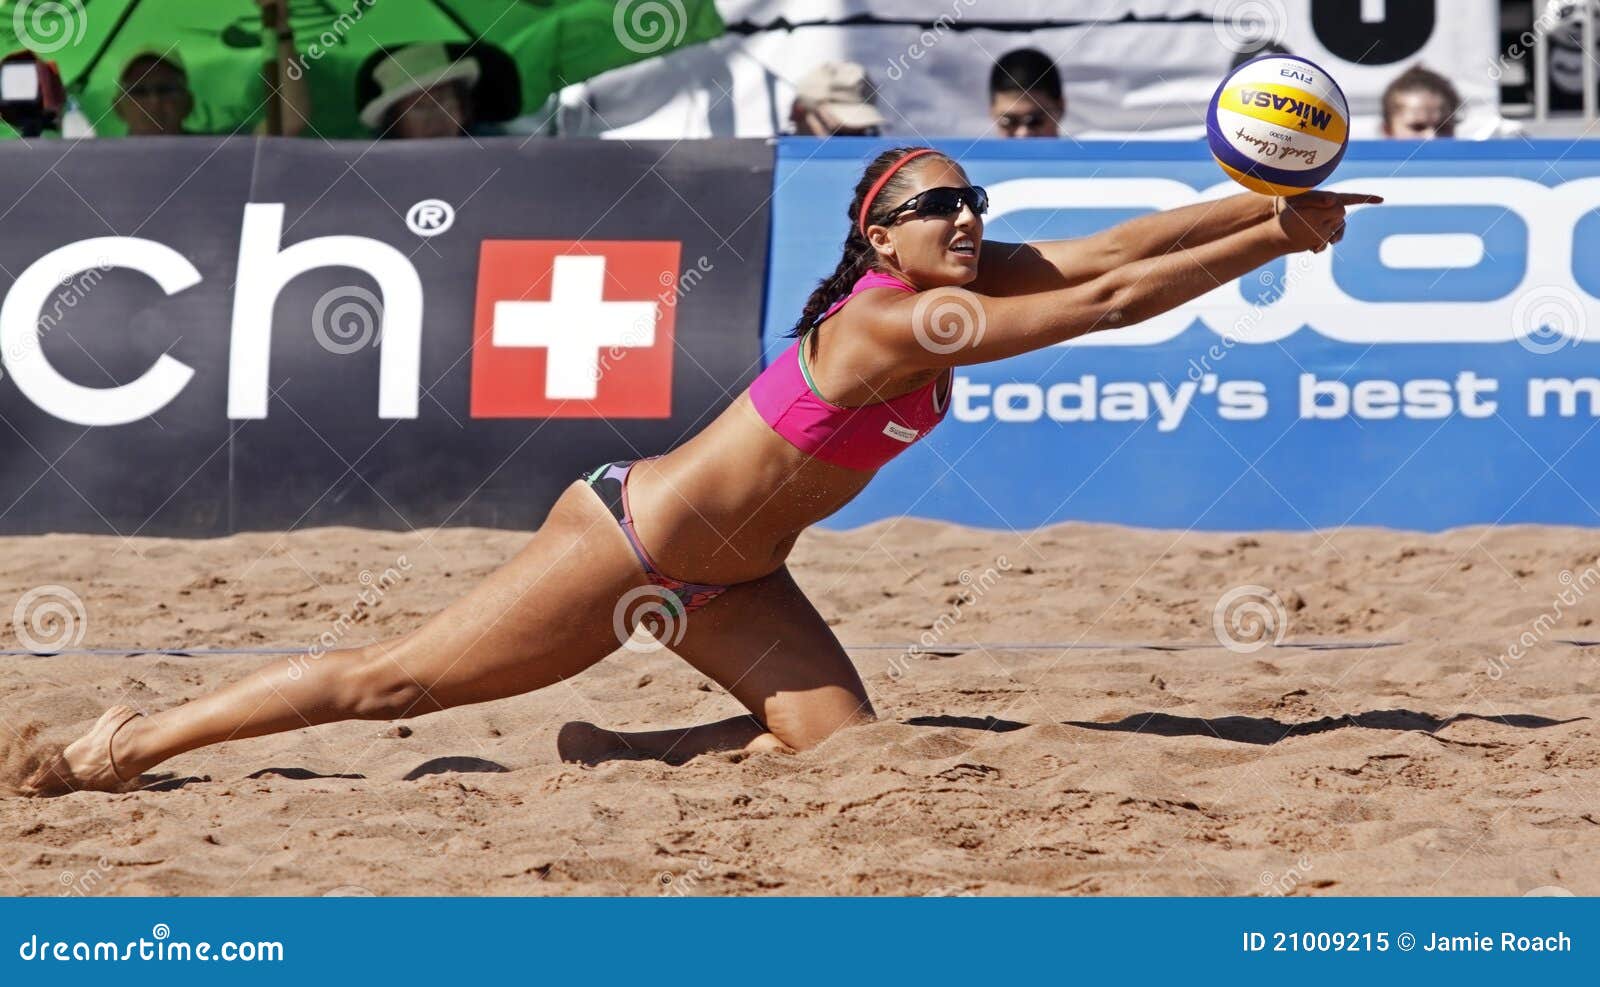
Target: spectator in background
1420, 104
423, 93
153, 96
1025, 97
836, 99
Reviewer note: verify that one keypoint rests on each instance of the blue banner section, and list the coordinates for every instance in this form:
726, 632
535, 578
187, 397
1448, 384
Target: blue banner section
1431, 371
796, 941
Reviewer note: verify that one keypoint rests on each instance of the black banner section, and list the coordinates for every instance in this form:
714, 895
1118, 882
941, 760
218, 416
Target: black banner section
203, 336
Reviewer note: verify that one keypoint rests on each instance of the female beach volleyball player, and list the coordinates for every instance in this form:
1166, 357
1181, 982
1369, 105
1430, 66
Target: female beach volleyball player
870, 374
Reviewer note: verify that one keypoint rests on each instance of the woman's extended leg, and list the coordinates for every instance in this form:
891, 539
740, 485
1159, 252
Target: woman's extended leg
764, 642
545, 615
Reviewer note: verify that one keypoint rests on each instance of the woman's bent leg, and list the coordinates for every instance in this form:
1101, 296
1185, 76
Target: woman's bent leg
766, 644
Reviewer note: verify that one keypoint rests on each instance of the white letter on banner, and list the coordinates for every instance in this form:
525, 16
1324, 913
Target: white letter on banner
264, 270
24, 358
1336, 315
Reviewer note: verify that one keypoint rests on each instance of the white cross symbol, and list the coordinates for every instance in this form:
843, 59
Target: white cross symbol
574, 326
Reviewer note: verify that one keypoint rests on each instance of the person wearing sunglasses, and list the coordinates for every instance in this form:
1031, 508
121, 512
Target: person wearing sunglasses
694, 543
1025, 95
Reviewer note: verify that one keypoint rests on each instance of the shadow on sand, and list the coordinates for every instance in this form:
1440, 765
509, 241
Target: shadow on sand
1253, 729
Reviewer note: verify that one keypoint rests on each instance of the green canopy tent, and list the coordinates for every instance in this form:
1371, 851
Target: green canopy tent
527, 48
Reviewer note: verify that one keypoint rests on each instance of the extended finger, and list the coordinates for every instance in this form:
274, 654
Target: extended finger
1355, 198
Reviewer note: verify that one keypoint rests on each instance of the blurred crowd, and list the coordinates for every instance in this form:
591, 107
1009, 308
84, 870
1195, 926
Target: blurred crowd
1027, 99
427, 91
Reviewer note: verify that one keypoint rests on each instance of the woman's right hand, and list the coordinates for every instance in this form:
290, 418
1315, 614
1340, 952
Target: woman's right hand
1312, 220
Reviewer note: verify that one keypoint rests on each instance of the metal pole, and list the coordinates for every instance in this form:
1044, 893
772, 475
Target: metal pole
1589, 95
271, 14
1541, 73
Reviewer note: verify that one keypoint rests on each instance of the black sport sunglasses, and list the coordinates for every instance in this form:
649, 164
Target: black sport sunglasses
946, 201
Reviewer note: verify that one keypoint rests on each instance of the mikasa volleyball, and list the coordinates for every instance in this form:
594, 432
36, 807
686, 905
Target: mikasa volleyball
1278, 125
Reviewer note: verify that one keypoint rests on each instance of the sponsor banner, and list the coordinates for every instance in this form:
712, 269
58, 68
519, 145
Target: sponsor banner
1431, 371
205, 336
1130, 68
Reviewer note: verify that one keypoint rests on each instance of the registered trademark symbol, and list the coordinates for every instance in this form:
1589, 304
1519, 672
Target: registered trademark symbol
430, 217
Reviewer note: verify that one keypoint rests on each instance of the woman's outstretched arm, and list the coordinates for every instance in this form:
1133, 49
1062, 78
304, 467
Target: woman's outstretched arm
957, 327
1045, 265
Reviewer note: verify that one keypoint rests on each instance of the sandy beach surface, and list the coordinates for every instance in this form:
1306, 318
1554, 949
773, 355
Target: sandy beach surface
1461, 760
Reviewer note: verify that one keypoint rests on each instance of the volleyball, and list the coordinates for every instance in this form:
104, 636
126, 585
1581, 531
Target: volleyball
1278, 125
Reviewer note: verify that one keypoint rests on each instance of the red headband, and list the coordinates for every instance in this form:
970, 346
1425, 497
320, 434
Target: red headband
872, 194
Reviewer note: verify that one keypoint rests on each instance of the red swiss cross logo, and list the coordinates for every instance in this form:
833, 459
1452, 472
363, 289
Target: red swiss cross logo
574, 329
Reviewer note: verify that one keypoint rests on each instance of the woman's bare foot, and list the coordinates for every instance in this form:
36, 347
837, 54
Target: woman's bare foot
88, 763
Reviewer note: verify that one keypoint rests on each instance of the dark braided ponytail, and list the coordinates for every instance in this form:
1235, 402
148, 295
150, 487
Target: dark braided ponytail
858, 253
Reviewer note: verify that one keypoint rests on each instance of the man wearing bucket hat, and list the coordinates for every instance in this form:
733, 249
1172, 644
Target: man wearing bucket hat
835, 99
423, 92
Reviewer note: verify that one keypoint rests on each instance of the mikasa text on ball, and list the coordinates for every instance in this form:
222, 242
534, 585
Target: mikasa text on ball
1278, 125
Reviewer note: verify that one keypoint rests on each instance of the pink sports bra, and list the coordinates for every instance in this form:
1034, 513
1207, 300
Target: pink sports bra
863, 437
